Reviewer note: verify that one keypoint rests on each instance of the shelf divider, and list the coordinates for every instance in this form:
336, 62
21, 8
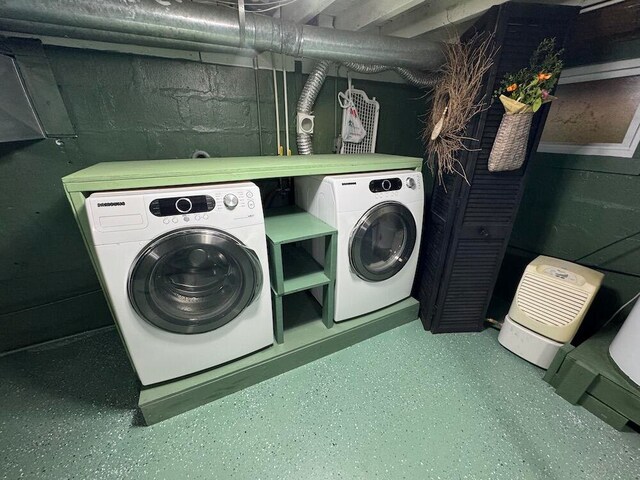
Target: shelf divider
293, 269
301, 271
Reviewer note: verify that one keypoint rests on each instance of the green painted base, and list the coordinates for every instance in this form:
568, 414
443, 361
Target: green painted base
305, 342
587, 376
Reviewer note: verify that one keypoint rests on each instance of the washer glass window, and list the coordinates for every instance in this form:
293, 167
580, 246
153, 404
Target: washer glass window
382, 241
194, 280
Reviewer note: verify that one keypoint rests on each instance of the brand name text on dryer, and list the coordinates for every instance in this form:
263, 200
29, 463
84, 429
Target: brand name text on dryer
111, 204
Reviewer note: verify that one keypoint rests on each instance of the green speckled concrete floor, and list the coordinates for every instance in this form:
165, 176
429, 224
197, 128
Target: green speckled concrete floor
405, 404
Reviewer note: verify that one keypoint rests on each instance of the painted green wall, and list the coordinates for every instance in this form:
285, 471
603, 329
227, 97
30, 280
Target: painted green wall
127, 107
575, 205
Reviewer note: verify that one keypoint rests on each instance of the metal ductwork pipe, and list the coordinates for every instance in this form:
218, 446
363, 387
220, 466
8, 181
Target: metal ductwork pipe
117, 38
418, 78
366, 68
207, 24
414, 77
307, 99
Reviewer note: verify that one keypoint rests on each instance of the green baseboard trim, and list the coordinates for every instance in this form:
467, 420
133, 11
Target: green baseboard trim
303, 344
54, 320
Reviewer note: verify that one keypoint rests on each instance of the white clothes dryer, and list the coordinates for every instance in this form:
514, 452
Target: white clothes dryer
378, 217
186, 274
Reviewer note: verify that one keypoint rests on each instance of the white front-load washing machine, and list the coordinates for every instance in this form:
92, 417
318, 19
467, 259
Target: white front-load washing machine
186, 274
378, 217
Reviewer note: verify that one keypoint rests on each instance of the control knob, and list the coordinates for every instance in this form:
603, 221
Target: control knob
411, 182
184, 205
230, 201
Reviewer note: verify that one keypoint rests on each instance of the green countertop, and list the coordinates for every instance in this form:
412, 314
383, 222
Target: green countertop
158, 173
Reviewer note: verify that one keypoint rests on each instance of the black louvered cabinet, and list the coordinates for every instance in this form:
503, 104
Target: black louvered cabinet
468, 225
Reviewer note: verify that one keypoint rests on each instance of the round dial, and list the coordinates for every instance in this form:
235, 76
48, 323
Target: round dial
230, 201
184, 205
411, 183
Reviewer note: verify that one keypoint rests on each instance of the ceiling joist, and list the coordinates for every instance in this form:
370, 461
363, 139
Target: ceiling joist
444, 14
371, 13
304, 10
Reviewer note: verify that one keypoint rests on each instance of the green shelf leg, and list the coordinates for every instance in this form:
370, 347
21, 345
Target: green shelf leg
278, 318
328, 295
331, 253
329, 291
276, 270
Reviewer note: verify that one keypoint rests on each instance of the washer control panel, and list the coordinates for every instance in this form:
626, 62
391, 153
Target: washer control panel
136, 215
200, 205
166, 207
385, 185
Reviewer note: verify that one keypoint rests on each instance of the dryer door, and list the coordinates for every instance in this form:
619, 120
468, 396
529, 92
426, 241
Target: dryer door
382, 241
194, 280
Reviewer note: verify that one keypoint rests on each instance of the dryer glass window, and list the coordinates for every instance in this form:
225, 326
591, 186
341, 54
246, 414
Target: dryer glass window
194, 280
382, 241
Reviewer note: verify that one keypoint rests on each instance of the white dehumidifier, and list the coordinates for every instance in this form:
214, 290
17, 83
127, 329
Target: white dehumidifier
552, 299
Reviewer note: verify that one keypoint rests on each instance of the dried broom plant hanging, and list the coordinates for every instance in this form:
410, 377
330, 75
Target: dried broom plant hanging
455, 102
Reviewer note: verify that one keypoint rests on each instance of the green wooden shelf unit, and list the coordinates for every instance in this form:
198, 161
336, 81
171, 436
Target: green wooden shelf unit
292, 268
586, 376
303, 334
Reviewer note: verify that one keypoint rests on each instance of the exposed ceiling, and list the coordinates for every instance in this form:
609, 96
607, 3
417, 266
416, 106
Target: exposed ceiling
412, 20
433, 19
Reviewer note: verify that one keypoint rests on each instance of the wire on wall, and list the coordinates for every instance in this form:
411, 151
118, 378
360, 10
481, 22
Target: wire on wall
277, 106
257, 81
286, 107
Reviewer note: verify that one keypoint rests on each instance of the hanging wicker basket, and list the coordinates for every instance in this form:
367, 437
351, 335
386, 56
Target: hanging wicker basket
510, 146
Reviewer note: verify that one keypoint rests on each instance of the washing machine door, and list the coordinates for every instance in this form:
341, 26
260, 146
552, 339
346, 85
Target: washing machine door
382, 241
194, 280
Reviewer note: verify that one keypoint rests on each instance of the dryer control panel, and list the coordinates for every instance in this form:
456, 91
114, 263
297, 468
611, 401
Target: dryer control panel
385, 185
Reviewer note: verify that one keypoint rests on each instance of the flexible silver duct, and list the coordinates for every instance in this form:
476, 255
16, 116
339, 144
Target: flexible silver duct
413, 77
307, 99
418, 78
366, 68
208, 24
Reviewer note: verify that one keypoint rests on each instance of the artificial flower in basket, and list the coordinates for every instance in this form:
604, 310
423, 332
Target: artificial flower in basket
522, 94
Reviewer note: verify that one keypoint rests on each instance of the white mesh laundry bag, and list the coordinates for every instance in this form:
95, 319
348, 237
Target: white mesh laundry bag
359, 121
